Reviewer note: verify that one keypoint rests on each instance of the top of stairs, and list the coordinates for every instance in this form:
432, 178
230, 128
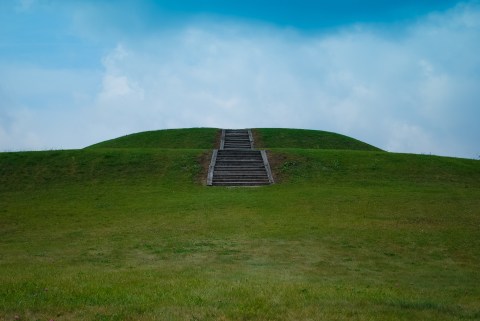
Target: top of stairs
236, 139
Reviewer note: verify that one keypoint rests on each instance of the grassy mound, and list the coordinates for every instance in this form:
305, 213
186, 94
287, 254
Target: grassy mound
206, 138
193, 138
130, 234
303, 138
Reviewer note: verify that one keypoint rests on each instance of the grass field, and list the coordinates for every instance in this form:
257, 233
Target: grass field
117, 233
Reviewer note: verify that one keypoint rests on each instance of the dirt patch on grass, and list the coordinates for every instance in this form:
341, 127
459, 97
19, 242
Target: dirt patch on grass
205, 158
204, 161
218, 138
277, 161
257, 139
285, 166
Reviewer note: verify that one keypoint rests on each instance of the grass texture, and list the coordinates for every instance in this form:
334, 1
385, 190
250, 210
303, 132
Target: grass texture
193, 138
133, 234
304, 138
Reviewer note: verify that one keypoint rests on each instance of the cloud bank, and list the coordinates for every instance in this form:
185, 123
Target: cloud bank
413, 88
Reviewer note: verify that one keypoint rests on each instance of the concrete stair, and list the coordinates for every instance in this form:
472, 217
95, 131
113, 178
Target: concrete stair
237, 164
236, 139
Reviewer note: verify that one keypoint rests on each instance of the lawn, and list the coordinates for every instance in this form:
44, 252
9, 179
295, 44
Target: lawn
134, 234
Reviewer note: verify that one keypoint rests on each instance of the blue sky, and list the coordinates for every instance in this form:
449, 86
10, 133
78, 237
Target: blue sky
404, 76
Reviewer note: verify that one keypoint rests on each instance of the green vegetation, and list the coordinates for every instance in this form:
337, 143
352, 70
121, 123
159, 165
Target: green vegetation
303, 138
196, 138
132, 234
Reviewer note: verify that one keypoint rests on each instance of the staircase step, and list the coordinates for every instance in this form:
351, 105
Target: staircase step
237, 164
246, 174
240, 183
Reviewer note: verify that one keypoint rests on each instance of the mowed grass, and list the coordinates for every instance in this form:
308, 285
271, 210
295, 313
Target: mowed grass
170, 138
305, 138
132, 234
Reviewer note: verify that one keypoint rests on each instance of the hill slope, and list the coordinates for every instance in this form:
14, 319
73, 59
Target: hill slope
193, 138
303, 138
130, 234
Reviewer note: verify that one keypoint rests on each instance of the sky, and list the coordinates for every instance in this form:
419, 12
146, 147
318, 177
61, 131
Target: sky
401, 75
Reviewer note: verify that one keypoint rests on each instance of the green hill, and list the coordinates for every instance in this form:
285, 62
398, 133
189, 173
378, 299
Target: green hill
203, 138
130, 233
206, 138
303, 138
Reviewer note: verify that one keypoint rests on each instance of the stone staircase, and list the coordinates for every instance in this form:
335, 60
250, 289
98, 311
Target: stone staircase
236, 163
236, 139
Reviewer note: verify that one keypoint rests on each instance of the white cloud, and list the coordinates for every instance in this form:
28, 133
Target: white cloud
405, 137
24, 5
415, 91
44, 108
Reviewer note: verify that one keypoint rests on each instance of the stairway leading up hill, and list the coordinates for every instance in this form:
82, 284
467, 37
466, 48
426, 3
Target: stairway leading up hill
236, 163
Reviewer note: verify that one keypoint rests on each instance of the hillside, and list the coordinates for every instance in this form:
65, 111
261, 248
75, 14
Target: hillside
130, 233
306, 139
206, 138
193, 138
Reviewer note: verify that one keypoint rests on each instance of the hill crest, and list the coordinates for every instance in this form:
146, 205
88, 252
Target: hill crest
207, 138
